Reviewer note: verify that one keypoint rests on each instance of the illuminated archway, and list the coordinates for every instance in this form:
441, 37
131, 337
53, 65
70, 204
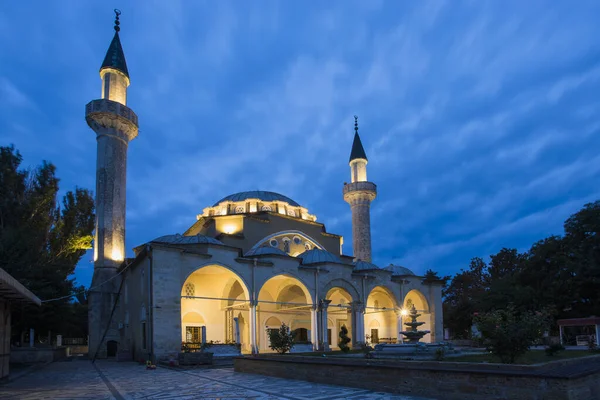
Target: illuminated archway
284, 299
418, 299
380, 316
213, 297
339, 313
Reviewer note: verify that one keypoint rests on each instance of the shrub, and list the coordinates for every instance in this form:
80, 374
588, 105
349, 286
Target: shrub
440, 354
281, 340
344, 339
509, 334
554, 349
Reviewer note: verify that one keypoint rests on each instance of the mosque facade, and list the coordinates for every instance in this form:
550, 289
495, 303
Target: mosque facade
250, 262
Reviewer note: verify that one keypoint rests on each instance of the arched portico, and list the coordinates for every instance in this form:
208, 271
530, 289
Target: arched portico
212, 297
417, 298
381, 316
284, 299
339, 313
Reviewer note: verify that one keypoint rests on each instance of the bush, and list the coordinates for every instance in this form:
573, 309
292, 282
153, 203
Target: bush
509, 334
344, 339
554, 349
281, 340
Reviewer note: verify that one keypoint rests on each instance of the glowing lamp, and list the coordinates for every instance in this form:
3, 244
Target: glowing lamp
404, 312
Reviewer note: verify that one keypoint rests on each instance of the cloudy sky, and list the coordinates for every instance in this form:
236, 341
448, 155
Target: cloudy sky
481, 119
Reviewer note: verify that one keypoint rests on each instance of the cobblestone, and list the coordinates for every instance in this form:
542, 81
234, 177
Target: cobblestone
112, 380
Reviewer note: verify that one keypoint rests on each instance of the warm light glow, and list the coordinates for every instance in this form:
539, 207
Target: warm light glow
229, 228
117, 255
404, 312
253, 207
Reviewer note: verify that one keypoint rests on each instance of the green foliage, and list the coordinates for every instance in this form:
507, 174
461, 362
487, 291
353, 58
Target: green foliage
42, 242
433, 277
508, 333
344, 339
281, 340
560, 274
554, 349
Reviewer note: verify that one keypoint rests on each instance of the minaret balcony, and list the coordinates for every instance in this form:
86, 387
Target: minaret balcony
360, 187
105, 114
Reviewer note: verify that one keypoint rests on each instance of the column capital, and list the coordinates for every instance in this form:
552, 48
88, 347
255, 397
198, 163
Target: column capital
324, 304
358, 306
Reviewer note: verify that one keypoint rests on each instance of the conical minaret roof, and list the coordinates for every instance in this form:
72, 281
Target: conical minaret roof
115, 58
358, 151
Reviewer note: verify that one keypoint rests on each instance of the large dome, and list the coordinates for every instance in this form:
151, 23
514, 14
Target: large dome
258, 194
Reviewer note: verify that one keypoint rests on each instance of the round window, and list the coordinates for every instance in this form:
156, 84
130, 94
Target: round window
240, 209
273, 243
297, 240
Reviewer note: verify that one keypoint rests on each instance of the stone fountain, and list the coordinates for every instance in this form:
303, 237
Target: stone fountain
413, 335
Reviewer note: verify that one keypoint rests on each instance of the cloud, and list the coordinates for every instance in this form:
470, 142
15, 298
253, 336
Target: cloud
12, 96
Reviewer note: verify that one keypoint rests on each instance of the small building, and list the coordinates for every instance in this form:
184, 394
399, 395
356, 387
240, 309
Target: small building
11, 291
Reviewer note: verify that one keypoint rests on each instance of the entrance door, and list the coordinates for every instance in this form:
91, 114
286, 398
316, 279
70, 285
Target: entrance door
111, 348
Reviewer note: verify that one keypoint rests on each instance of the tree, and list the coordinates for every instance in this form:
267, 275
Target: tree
462, 298
281, 340
433, 277
40, 241
344, 339
508, 334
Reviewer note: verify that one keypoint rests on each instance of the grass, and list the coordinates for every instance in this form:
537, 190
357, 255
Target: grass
531, 357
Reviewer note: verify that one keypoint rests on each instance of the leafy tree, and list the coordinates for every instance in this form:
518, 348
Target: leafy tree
433, 277
462, 298
281, 340
508, 334
40, 241
344, 339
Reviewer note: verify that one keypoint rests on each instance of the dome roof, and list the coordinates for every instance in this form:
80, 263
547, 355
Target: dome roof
315, 256
364, 266
258, 194
398, 270
264, 251
180, 239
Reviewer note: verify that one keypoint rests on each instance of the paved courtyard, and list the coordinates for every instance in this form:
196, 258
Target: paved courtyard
112, 380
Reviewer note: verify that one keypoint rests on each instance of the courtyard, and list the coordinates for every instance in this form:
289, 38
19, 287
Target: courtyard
112, 380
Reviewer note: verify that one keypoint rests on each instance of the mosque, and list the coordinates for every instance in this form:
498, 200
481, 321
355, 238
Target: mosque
248, 263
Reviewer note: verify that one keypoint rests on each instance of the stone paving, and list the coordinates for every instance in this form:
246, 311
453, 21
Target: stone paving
112, 380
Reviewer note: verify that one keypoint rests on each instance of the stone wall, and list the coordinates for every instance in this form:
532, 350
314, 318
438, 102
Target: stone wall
575, 379
29, 355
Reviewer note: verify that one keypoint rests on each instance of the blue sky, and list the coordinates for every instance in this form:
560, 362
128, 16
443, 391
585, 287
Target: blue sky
481, 119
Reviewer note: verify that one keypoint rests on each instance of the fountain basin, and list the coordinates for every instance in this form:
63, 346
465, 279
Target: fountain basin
408, 348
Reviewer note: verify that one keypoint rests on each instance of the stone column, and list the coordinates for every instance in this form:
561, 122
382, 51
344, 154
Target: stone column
314, 328
323, 305
252, 327
399, 325
358, 317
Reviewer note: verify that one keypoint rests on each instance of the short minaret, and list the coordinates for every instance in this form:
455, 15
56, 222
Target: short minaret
359, 194
115, 126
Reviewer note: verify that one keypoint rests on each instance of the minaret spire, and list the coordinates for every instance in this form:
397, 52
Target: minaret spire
115, 125
359, 194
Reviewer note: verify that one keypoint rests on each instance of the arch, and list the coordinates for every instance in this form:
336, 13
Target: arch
286, 298
287, 232
386, 292
344, 284
273, 322
218, 264
220, 295
374, 324
418, 299
281, 282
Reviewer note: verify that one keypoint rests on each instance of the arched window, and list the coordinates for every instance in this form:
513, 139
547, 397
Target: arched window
291, 212
307, 246
266, 208
190, 289
286, 244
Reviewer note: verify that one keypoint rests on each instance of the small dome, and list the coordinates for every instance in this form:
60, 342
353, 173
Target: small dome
180, 239
259, 251
364, 266
316, 256
398, 270
258, 194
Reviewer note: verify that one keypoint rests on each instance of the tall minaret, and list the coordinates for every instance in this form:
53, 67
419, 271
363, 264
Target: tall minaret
359, 194
115, 125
